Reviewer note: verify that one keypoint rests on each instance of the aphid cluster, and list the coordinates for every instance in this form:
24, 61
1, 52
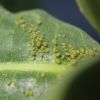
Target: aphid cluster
39, 45
12, 87
28, 87
3, 76
28, 93
63, 53
56, 50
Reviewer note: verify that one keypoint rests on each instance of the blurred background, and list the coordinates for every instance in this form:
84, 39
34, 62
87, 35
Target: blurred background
65, 10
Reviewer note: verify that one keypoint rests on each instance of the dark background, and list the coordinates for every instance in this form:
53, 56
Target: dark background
66, 10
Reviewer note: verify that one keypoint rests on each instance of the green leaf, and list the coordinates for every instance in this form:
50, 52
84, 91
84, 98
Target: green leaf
80, 83
90, 9
33, 44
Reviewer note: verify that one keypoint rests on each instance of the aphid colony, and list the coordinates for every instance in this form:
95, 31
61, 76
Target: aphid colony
26, 86
62, 53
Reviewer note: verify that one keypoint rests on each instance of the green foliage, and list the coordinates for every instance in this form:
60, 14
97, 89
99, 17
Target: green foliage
34, 42
90, 9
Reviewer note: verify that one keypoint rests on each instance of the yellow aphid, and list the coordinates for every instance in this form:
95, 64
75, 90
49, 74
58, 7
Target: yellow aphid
11, 83
38, 44
82, 50
24, 26
34, 27
33, 48
66, 49
73, 54
34, 36
46, 50
70, 46
58, 61
40, 38
20, 20
81, 55
73, 61
42, 47
33, 53
67, 54
30, 30
84, 55
33, 44
28, 93
54, 41
86, 52
91, 52
94, 49
64, 45
45, 44
77, 51
4, 74
55, 50
58, 54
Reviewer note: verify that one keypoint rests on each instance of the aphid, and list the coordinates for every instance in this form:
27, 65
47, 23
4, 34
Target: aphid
81, 55
34, 27
94, 49
55, 50
24, 26
40, 50
58, 54
40, 39
67, 54
45, 44
91, 52
33, 58
46, 50
82, 50
58, 61
11, 83
59, 35
28, 93
4, 75
63, 57
33, 44
73, 61
20, 20
38, 44
73, 54
34, 36
70, 46
84, 55
86, 52
63, 45
30, 30
77, 51
54, 41
66, 50
33, 53
33, 48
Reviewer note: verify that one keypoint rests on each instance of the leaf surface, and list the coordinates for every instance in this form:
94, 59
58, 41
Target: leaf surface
63, 48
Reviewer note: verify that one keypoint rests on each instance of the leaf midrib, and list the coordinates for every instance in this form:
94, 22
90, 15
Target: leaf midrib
43, 67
